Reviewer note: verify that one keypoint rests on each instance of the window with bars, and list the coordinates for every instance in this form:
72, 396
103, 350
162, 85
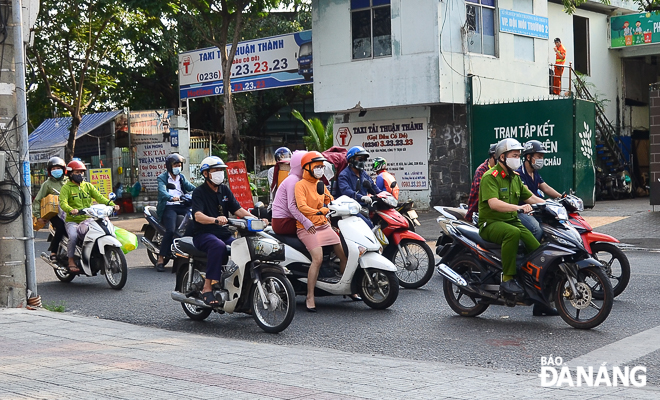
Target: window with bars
480, 15
371, 29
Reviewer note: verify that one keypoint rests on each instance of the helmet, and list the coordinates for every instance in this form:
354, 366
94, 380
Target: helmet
311, 157
75, 165
172, 159
491, 150
283, 154
506, 145
211, 162
55, 162
356, 151
379, 164
533, 146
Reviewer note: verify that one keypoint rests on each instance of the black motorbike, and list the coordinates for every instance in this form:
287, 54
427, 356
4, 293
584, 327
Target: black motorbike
560, 271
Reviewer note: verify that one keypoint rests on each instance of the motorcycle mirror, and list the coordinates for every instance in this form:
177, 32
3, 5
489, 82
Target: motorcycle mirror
320, 188
170, 186
112, 196
393, 185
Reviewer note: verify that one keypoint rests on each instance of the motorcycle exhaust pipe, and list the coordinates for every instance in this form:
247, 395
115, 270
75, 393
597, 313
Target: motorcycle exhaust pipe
54, 265
181, 298
448, 273
150, 245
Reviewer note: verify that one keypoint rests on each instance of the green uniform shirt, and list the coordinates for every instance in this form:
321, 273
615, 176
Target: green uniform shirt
498, 183
74, 197
48, 187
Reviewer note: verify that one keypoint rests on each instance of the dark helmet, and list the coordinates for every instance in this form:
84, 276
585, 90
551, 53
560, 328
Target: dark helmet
172, 159
55, 162
491, 150
533, 146
282, 154
379, 164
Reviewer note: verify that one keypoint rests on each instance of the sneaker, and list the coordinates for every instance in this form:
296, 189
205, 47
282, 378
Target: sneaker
160, 267
511, 286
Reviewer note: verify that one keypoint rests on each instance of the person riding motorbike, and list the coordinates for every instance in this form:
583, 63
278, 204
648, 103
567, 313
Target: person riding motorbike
384, 179
169, 203
212, 202
278, 173
532, 156
473, 199
313, 206
52, 185
500, 190
351, 180
285, 209
76, 195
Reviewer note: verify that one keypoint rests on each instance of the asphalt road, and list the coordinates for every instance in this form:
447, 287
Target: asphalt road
419, 325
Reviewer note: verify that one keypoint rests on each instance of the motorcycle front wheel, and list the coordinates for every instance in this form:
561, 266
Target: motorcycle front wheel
277, 314
461, 302
192, 311
381, 290
117, 270
414, 263
615, 265
582, 310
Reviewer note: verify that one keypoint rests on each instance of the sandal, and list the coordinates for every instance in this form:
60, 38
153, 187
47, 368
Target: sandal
209, 299
74, 269
53, 257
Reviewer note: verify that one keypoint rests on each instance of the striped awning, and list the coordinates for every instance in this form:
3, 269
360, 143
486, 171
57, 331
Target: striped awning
54, 132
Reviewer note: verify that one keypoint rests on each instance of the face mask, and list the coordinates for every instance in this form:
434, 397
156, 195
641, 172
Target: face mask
538, 164
217, 177
176, 171
359, 164
77, 178
513, 163
57, 173
318, 172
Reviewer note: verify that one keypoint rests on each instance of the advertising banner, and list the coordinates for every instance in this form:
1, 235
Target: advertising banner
150, 126
403, 143
266, 63
42, 156
634, 29
239, 183
102, 179
151, 163
523, 24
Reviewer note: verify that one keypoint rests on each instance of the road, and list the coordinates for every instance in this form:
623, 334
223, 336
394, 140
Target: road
418, 326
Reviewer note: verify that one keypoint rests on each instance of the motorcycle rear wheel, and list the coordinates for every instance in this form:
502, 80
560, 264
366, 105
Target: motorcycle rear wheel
385, 291
616, 267
421, 259
117, 272
150, 234
570, 309
280, 292
193, 312
470, 270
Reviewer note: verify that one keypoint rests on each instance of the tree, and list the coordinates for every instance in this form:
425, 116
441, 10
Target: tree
318, 137
73, 41
643, 5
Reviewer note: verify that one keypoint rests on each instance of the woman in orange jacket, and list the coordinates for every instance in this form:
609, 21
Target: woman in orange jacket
313, 206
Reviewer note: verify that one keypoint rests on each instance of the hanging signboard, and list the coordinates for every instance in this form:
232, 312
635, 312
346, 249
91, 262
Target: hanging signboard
151, 163
634, 29
101, 178
403, 143
277, 61
523, 24
239, 183
150, 126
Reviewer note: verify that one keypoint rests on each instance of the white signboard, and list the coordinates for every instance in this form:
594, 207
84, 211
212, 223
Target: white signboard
403, 143
42, 156
151, 163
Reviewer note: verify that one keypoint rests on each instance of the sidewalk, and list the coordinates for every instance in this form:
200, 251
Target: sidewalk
49, 355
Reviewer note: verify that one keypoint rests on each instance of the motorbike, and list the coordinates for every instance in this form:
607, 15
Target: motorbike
253, 282
367, 272
560, 271
99, 252
154, 231
612, 185
407, 250
406, 209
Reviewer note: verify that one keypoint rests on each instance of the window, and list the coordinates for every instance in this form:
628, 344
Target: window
481, 26
371, 25
581, 44
523, 48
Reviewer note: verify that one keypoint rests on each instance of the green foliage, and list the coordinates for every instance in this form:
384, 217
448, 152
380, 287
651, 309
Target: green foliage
54, 306
219, 150
318, 137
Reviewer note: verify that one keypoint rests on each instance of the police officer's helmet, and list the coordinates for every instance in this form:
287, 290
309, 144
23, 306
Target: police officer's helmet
506, 145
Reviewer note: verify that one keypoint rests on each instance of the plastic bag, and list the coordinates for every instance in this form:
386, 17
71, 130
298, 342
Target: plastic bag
128, 240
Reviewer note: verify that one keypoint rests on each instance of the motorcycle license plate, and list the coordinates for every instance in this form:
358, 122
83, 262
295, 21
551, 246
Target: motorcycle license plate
412, 214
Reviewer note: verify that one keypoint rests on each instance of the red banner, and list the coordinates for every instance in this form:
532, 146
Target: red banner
239, 184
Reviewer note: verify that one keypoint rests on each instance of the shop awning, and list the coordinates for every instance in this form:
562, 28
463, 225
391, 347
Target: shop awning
54, 132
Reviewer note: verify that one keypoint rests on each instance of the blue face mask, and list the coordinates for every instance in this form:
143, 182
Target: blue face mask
176, 171
57, 173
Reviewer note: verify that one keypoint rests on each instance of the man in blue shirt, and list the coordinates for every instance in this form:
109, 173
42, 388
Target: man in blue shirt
351, 179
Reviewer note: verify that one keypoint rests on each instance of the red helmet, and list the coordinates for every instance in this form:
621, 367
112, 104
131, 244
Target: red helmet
75, 165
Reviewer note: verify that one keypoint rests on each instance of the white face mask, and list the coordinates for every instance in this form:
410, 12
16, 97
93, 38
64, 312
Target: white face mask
217, 177
538, 164
513, 163
318, 172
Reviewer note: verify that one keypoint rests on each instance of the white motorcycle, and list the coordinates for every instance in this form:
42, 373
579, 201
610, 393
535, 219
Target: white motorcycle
253, 282
367, 272
100, 251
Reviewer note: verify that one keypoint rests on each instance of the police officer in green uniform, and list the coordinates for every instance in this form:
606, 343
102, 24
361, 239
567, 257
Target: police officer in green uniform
499, 193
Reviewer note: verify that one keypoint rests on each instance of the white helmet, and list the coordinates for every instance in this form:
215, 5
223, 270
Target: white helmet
506, 145
211, 162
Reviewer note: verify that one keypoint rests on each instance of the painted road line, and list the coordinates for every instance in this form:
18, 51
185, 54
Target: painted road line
621, 352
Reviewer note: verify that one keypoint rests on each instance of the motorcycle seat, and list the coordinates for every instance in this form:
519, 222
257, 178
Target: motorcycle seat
186, 244
292, 241
472, 233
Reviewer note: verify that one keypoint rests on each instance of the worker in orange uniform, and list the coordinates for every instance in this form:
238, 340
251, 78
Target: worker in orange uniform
560, 59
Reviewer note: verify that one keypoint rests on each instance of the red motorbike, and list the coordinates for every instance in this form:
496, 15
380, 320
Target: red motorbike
407, 250
599, 245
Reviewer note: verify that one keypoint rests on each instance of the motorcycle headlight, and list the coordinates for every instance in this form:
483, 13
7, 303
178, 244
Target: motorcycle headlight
266, 249
559, 211
255, 225
390, 201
